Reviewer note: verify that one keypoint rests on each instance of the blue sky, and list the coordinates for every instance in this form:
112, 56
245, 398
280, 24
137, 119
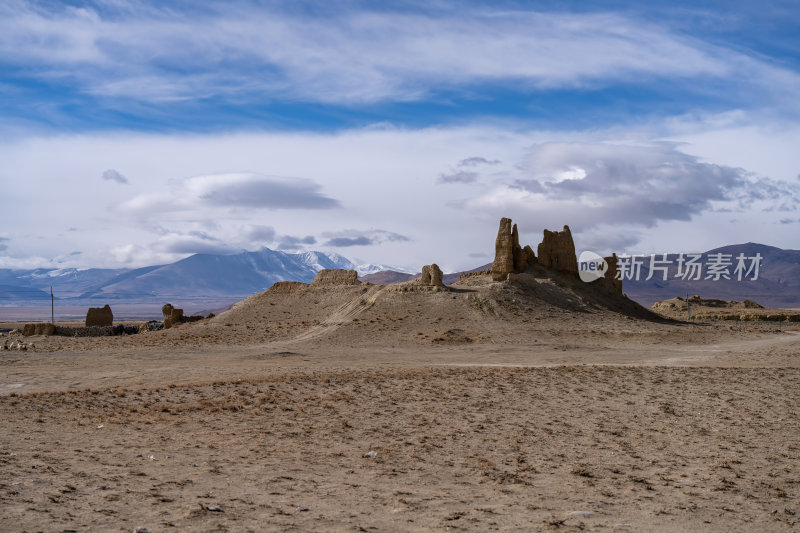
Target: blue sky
393, 132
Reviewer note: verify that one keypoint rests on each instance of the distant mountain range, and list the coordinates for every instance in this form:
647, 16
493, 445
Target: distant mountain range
777, 285
209, 276
200, 275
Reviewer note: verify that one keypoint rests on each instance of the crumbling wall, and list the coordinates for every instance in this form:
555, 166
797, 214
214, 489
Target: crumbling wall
39, 328
557, 251
478, 273
99, 316
336, 276
172, 315
509, 256
432, 276
283, 287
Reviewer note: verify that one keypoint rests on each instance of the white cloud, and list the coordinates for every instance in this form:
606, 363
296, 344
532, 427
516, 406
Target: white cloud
258, 191
384, 178
232, 190
596, 183
153, 53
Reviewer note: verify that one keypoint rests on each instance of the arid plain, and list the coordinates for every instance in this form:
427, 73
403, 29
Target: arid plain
489, 405
533, 402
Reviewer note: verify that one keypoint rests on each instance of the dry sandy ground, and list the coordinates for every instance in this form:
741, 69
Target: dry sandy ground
565, 419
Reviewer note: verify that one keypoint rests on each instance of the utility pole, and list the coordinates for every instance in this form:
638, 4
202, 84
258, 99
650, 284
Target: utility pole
52, 308
688, 307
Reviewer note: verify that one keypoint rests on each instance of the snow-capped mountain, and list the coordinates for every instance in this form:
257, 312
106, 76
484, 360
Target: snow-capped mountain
200, 275
320, 261
67, 282
364, 270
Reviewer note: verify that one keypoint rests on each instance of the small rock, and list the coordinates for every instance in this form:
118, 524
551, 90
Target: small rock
371, 454
214, 509
302, 509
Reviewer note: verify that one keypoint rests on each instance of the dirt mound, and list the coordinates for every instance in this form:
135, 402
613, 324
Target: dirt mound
527, 299
473, 310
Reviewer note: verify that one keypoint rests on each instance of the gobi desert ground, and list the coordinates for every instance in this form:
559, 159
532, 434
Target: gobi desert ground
537, 402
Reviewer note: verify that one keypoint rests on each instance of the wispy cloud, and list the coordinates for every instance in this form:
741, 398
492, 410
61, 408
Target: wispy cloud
259, 234
476, 161
113, 175
291, 242
195, 242
144, 51
347, 238
459, 176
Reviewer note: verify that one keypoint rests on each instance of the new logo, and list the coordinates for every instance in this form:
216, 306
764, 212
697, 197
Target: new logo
591, 266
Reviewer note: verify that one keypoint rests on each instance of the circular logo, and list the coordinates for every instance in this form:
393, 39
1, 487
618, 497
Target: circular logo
591, 266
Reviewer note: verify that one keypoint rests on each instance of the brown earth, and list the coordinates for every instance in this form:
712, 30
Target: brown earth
533, 404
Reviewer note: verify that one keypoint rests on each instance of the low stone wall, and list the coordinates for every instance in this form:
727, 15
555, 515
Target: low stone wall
467, 275
39, 328
95, 331
338, 276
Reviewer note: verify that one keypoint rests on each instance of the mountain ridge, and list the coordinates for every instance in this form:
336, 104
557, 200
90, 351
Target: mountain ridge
240, 275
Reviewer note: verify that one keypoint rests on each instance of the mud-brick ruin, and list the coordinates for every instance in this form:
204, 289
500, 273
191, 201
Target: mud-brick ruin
556, 252
99, 316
